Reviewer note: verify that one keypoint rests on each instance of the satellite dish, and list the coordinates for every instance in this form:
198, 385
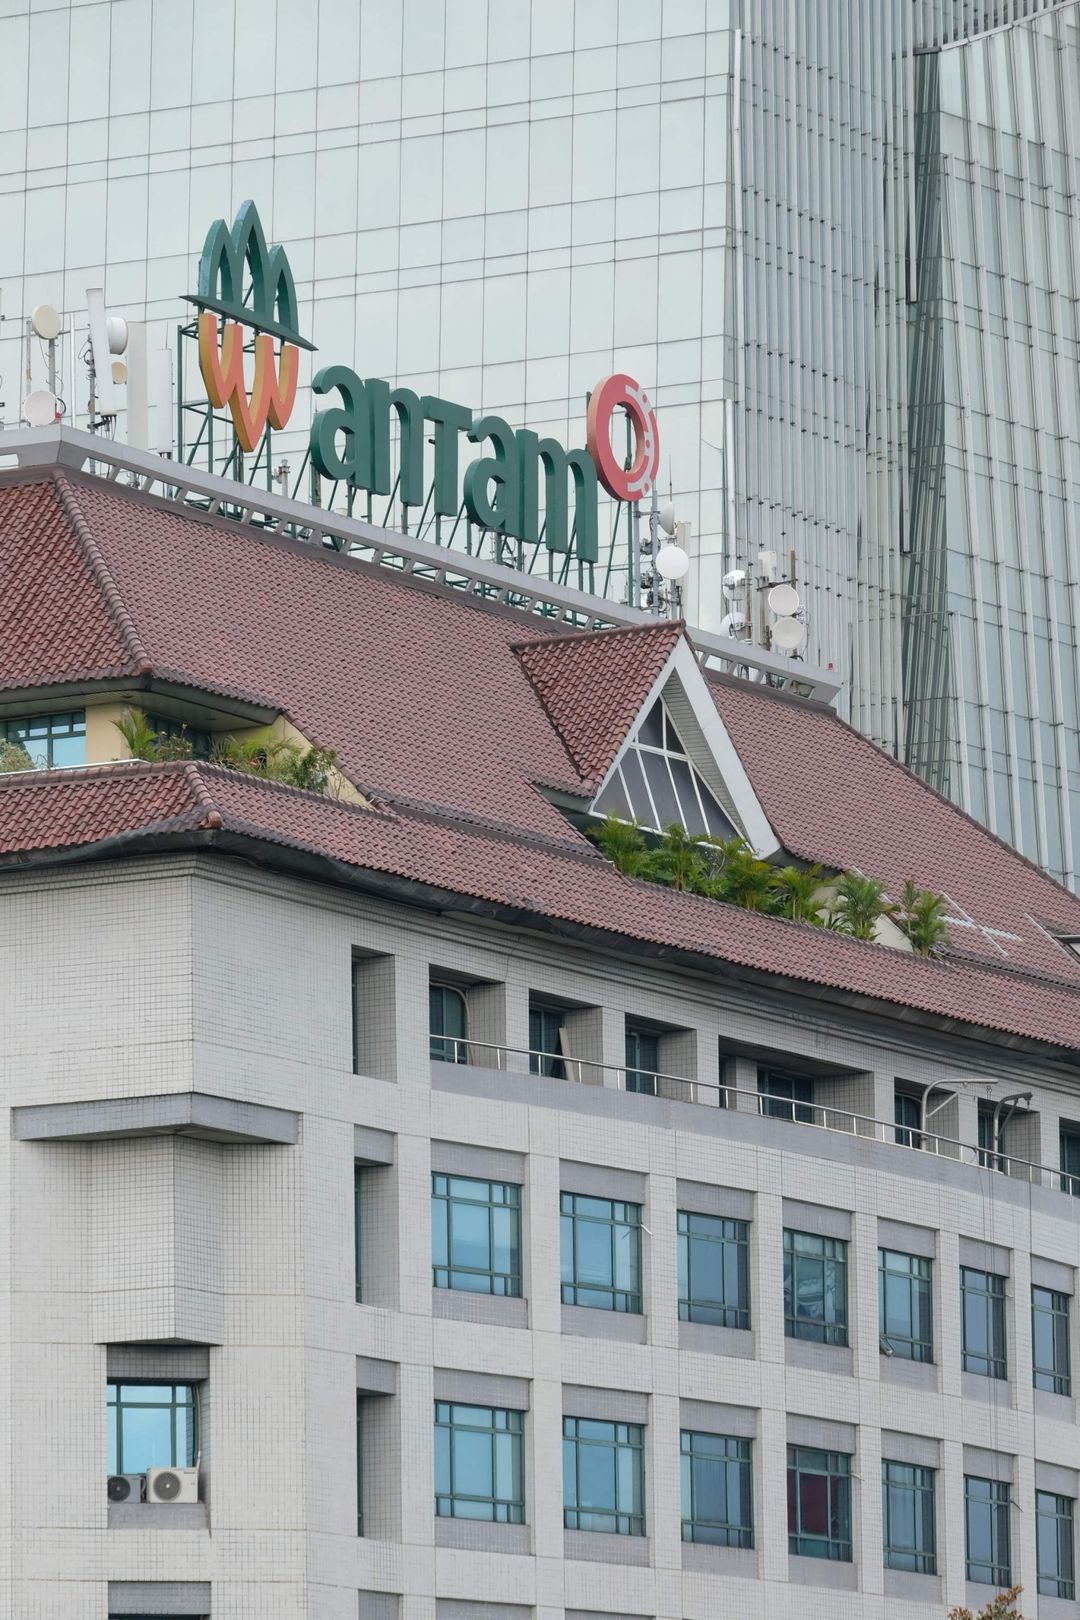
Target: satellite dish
734, 584
119, 372
672, 562
40, 408
46, 322
789, 635
784, 599
666, 518
732, 623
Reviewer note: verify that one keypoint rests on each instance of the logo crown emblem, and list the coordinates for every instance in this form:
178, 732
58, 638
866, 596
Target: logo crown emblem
271, 314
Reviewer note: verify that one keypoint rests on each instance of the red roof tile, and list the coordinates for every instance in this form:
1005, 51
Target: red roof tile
434, 700
81, 808
834, 797
593, 685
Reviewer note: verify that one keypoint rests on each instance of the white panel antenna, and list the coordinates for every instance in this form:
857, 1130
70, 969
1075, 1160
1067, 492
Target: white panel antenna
106, 398
165, 421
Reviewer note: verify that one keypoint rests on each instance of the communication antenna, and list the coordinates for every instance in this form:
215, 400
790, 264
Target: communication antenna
41, 408
108, 336
47, 324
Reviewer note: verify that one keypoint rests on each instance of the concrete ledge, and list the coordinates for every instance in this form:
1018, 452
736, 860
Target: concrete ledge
159, 1597
179, 1113
158, 1516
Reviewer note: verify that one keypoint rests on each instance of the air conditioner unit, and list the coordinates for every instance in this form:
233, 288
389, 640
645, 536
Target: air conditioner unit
172, 1484
125, 1487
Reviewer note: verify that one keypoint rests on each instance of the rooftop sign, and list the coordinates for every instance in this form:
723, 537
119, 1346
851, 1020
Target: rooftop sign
350, 440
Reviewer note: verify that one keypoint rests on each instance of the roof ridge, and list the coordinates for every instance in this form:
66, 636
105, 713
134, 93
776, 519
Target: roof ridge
212, 816
122, 620
556, 639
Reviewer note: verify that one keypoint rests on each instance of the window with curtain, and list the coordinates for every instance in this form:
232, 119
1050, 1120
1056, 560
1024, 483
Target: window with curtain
819, 1504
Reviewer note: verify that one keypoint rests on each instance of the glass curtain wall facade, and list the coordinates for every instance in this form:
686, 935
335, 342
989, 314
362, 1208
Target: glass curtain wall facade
992, 673
767, 213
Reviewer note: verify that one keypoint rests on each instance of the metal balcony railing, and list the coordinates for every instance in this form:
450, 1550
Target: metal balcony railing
809, 1116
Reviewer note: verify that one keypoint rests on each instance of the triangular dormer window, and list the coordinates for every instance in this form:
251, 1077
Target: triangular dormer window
655, 784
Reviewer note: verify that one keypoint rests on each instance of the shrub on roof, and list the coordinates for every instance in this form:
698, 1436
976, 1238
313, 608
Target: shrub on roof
277, 760
730, 871
13, 757
143, 741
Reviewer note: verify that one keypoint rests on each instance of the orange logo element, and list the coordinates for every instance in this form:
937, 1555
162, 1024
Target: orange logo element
231, 258
273, 390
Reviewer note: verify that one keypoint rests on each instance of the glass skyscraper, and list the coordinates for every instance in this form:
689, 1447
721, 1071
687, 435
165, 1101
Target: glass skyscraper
836, 241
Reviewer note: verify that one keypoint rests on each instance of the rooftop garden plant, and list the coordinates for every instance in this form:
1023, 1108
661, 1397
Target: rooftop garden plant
729, 870
262, 754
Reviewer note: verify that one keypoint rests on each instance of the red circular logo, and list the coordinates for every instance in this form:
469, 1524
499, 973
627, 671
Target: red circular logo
621, 392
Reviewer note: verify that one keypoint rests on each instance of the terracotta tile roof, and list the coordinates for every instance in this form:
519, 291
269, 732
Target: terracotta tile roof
55, 611
592, 686
834, 797
450, 713
569, 887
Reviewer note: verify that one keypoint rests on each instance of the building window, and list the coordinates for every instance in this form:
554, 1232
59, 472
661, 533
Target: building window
815, 1288
1055, 1545
714, 1270
478, 1463
642, 1059
358, 1184
991, 1138
982, 1298
655, 784
359, 1463
819, 1504
476, 1235
356, 987
150, 1426
907, 1510
785, 1096
986, 1532
717, 1493
603, 1476
201, 740
49, 739
1070, 1161
905, 1319
601, 1253
1051, 1367
907, 1112
448, 1023
545, 1041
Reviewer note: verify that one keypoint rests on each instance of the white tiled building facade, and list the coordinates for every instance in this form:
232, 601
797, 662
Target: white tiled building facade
220, 1249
